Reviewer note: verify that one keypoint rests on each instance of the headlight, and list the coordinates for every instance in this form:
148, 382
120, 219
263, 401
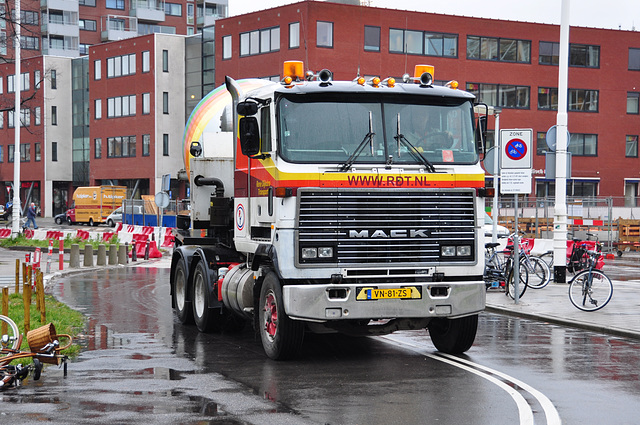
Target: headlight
448, 251
325, 252
463, 251
308, 253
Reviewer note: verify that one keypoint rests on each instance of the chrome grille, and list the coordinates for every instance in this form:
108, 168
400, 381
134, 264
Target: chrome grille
386, 226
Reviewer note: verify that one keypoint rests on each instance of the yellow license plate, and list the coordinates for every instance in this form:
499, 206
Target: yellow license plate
405, 293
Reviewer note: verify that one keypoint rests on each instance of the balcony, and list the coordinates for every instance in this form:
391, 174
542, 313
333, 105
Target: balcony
70, 5
147, 10
114, 27
61, 46
62, 24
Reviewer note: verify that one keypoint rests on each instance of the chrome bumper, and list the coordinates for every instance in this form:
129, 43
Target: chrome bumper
338, 302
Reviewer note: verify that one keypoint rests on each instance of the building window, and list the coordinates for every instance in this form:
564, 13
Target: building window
28, 17
97, 69
1, 119
423, 43
25, 152
583, 100
165, 61
437, 44
146, 143
54, 79
87, 3
36, 79
260, 41
121, 147
634, 59
38, 153
503, 95
115, 4
29, 43
632, 102
54, 115
121, 106
371, 38
37, 115
173, 9
1, 154
324, 34
226, 47
98, 109
580, 55
119, 66
631, 147
165, 102
54, 151
87, 24
498, 49
97, 144
583, 144
548, 98
145, 61
10, 153
294, 35
146, 103
1, 85
165, 144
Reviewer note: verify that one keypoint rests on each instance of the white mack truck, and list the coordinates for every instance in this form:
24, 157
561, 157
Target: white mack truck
335, 206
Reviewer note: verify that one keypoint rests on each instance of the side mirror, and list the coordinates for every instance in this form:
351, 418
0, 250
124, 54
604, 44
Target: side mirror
247, 108
481, 133
249, 136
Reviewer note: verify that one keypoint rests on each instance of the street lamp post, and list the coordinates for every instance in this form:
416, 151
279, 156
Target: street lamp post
15, 227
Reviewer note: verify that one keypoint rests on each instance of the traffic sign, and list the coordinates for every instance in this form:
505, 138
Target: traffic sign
516, 148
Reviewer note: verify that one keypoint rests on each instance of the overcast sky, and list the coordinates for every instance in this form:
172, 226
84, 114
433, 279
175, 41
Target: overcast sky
623, 14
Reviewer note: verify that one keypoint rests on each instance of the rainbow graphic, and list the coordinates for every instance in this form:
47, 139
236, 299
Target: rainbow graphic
211, 106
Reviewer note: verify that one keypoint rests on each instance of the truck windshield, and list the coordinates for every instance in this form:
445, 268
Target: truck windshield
315, 129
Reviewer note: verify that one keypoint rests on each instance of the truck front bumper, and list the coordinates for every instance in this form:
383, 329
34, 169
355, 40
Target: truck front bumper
360, 301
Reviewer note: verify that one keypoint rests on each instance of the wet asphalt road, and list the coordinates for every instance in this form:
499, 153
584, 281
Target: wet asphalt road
142, 366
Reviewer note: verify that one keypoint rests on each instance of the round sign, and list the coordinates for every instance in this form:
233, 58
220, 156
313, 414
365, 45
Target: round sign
240, 217
489, 162
162, 199
551, 138
516, 149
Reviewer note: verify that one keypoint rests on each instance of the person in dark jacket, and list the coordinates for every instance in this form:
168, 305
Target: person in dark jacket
31, 216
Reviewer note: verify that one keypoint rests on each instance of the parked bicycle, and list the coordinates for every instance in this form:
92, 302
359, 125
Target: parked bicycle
499, 271
577, 254
539, 271
590, 289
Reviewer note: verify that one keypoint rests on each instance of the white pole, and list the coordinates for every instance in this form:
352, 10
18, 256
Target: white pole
496, 159
15, 227
560, 214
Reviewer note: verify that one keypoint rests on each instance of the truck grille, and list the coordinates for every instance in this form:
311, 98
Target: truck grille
387, 226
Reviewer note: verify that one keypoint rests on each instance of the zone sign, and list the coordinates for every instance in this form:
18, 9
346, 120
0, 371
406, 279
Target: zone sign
516, 148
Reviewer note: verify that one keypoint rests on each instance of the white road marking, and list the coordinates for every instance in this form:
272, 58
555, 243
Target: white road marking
524, 409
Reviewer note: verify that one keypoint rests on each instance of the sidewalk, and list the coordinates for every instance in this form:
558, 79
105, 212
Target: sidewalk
620, 317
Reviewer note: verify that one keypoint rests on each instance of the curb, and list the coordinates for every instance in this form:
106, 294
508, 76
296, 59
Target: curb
610, 330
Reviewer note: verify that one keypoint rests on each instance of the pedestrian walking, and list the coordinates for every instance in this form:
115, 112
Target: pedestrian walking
31, 216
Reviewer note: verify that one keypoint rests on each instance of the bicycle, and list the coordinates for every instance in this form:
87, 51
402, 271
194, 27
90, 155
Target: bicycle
539, 271
590, 289
498, 269
577, 256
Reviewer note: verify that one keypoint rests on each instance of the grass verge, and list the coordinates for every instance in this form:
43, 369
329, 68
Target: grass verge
65, 319
21, 240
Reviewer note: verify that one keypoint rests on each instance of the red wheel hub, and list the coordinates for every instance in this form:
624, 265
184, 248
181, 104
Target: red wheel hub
270, 315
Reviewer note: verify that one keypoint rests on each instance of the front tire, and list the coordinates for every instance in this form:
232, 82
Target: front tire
453, 336
180, 291
539, 272
522, 285
590, 298
281, 337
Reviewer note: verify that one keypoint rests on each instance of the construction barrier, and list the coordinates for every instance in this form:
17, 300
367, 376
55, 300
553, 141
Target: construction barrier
5, 233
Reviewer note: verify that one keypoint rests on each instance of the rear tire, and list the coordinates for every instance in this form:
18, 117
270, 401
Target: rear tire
522, 285
539, 272
453, 336
180, 294
281, 337
202, 314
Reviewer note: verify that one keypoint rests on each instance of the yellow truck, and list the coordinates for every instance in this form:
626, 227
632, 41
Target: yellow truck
93, 204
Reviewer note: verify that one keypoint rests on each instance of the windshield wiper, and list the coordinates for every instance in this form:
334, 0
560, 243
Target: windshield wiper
368, 138
415, 153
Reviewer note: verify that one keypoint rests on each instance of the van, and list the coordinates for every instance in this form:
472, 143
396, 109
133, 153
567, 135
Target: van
93, 204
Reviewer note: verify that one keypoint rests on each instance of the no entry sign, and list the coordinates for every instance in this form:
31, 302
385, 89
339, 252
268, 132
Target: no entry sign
516, 148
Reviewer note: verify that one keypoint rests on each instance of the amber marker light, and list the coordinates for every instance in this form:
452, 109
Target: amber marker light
361, 81
452, 84
375, 82
284, 192
288, 80
391, 82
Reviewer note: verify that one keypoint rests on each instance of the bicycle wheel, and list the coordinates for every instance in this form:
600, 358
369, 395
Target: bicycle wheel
11, 339
590, 290
522, 286
539, 272
547, 257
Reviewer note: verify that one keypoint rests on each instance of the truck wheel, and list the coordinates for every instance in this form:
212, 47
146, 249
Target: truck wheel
281, 337
180, 288
91, 222
69, 221
453, 336
202, 315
